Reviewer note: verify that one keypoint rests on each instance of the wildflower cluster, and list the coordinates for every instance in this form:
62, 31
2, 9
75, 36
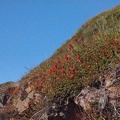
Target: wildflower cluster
93, 48
67, 71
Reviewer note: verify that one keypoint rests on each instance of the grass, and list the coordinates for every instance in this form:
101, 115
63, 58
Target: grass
93, 48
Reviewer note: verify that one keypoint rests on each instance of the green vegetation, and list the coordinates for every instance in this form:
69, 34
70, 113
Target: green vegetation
94, 48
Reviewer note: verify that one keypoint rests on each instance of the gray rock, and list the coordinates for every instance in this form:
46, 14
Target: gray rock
1, 105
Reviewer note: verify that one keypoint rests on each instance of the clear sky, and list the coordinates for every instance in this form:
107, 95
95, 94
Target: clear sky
32, 30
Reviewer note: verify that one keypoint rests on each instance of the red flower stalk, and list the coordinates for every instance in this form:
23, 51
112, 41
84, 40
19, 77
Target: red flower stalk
43, 75
58, 61
71, 65
116, 42
62, 65
55, 69
63, 70
49, 71
72, 69
38, 85
55, 64
67, 57
89, 66
78, 57
108, 55
72, 76
75, 39
69, 46
102, 50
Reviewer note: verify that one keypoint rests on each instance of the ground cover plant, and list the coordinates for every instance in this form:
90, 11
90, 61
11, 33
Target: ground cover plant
93, 48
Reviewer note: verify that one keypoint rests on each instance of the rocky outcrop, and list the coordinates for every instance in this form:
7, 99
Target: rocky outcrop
100, 99
93, 102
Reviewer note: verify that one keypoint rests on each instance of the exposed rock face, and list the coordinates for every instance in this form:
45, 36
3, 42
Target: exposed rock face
1, 105
91, 102
69, 111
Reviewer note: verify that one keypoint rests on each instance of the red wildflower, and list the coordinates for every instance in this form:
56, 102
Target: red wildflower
43, 75
38, 85
63, 70
72, 76
69, 46
108, 55
71, 65
30, 104
89, 66
49, 71
55, 64
75, 39
58, 61
116, 42
102, 50
67, 57
78, 56
72, 69
62, 65
55, 69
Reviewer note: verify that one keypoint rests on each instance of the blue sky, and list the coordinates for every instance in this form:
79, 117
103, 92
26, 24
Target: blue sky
32, 30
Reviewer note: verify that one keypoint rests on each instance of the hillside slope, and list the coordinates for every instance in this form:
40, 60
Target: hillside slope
90, 58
